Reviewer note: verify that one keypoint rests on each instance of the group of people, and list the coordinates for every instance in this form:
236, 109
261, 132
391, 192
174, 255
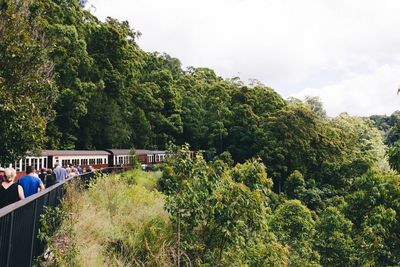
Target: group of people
13, 189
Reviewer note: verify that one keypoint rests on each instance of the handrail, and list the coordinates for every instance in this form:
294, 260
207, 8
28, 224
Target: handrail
9, 208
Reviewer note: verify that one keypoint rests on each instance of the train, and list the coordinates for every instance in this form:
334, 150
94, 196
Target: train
97, 159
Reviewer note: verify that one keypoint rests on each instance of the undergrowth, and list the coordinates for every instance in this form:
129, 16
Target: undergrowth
57, 230
120, 221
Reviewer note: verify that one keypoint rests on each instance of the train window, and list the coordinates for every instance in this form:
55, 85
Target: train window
23, 165
92, 161
84, 162
17, 165
40, 163
35, 163
45, 162
65, 162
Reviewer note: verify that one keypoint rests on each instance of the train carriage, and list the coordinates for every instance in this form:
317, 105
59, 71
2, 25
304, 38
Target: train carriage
120, 157
96, 158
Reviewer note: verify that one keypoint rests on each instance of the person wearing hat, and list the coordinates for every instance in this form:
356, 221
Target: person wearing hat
2, 174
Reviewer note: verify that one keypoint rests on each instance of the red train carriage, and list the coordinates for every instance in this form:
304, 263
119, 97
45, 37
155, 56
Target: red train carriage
48, 158
96, 158
120, 157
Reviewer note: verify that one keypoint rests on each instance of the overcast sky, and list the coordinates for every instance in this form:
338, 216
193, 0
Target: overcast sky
346, 52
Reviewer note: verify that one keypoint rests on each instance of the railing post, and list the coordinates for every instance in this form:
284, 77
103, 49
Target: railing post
10, 239
33, 232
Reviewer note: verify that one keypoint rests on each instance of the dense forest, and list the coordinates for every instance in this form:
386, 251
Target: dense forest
278, 182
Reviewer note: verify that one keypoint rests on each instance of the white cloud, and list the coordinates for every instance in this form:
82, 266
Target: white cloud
366, 94
287, 44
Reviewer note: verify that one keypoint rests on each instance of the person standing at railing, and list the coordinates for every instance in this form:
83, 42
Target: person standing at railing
79, 169
74, 172
60, 172
50, 178
2, 175
42, 175
30, 183
10, 192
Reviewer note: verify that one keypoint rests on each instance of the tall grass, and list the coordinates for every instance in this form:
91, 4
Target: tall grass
145, 179
122, 222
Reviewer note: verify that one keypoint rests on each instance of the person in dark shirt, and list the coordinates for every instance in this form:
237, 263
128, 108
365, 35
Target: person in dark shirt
42, 174
10, 192
50, 178
30, 183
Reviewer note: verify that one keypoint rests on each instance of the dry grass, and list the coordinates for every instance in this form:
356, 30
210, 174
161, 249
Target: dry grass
121, 224
138, 177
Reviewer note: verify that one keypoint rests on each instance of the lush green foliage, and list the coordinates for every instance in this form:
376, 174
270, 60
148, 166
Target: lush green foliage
389, 125
230, 215
220, 212
278, 182
27, 90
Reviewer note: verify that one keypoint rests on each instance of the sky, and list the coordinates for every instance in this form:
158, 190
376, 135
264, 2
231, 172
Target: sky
345, 52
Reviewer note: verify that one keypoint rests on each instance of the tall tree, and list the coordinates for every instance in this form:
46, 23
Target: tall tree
66, 25
294, 226
334, 239
27, 90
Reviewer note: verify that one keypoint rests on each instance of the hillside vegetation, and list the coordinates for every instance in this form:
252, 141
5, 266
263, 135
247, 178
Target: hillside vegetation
275, 182
215, 214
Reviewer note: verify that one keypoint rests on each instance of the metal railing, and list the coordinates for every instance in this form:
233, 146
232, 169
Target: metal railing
20, 223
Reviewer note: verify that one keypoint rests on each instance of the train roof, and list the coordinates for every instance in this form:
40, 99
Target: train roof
138, 151
106, 152
74, 153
